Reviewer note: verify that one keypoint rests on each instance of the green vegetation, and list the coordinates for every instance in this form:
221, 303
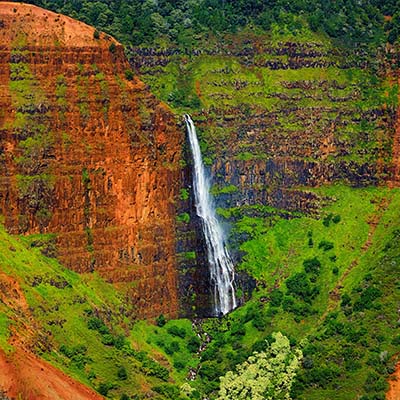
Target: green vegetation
182, 22
265, 82
329, 313
184, 217
266, 375
79, 326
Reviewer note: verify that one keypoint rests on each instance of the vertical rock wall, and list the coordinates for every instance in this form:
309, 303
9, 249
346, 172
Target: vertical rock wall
88, 154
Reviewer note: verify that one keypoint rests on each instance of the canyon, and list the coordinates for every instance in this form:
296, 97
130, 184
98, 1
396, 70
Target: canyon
105, 287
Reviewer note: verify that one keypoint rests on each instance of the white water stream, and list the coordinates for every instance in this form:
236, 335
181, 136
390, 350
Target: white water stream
221, 266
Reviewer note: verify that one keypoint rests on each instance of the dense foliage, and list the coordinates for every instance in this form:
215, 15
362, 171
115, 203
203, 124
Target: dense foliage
267, 375
140, 22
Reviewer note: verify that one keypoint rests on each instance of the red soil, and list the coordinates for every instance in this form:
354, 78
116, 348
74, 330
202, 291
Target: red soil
23, 375
46, 28
394, 382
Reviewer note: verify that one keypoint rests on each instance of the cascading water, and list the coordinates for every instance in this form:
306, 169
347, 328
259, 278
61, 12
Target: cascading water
221, 265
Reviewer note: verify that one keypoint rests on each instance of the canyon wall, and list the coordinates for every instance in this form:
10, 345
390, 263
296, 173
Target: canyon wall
90, 160
278, 115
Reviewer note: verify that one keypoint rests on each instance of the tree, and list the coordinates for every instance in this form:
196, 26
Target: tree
267, 375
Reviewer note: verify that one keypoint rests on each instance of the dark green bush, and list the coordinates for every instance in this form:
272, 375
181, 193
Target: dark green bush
193, 344
161, 321
259, 322
107, 339
312, 265
276, 297
172, 347
367, 298
168, 390
112, 48
122, 373
325, 245
129, 74
104, 388
176, 331
211, 370
98, 325
299, 286
179, 365
153, 368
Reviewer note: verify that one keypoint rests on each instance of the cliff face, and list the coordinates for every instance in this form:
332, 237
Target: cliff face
87, 154
279, 114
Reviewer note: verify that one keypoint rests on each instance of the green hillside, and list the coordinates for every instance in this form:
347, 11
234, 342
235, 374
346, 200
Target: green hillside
295, 105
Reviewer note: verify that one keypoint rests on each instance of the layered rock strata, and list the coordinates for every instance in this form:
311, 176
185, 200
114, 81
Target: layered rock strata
88, 154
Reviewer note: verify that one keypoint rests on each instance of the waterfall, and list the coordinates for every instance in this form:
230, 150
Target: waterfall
220, 263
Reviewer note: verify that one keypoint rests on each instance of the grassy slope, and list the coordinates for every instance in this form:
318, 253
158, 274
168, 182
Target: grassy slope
350, 348
63, 306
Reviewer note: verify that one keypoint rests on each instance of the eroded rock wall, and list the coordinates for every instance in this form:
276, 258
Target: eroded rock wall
88, 154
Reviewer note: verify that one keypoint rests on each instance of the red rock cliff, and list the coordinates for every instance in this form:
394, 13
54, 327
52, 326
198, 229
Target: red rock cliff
87, 153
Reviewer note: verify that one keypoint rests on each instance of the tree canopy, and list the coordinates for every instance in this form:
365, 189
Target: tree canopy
267, 375
138, 22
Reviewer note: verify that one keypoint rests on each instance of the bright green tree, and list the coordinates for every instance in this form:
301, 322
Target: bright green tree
264, 376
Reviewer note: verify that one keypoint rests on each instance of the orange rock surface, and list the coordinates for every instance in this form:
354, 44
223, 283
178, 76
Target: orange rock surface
394, 385
24, 375
113, 160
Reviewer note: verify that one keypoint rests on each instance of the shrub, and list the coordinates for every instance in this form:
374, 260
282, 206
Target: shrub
176, 331
367, 298
104, 388
276, 297
107, 339
119, 342
129, 75
80, 349
299, 286
396, 340
122, 374
184, 194
325, 245
259, 322
97, 324
96, 34
112, 48
168, 390
172, 348
179, 365
327, 220
210, 370
184, 217
312, 265
161, 321
193, 344
153, 368
238, 330
346, 300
